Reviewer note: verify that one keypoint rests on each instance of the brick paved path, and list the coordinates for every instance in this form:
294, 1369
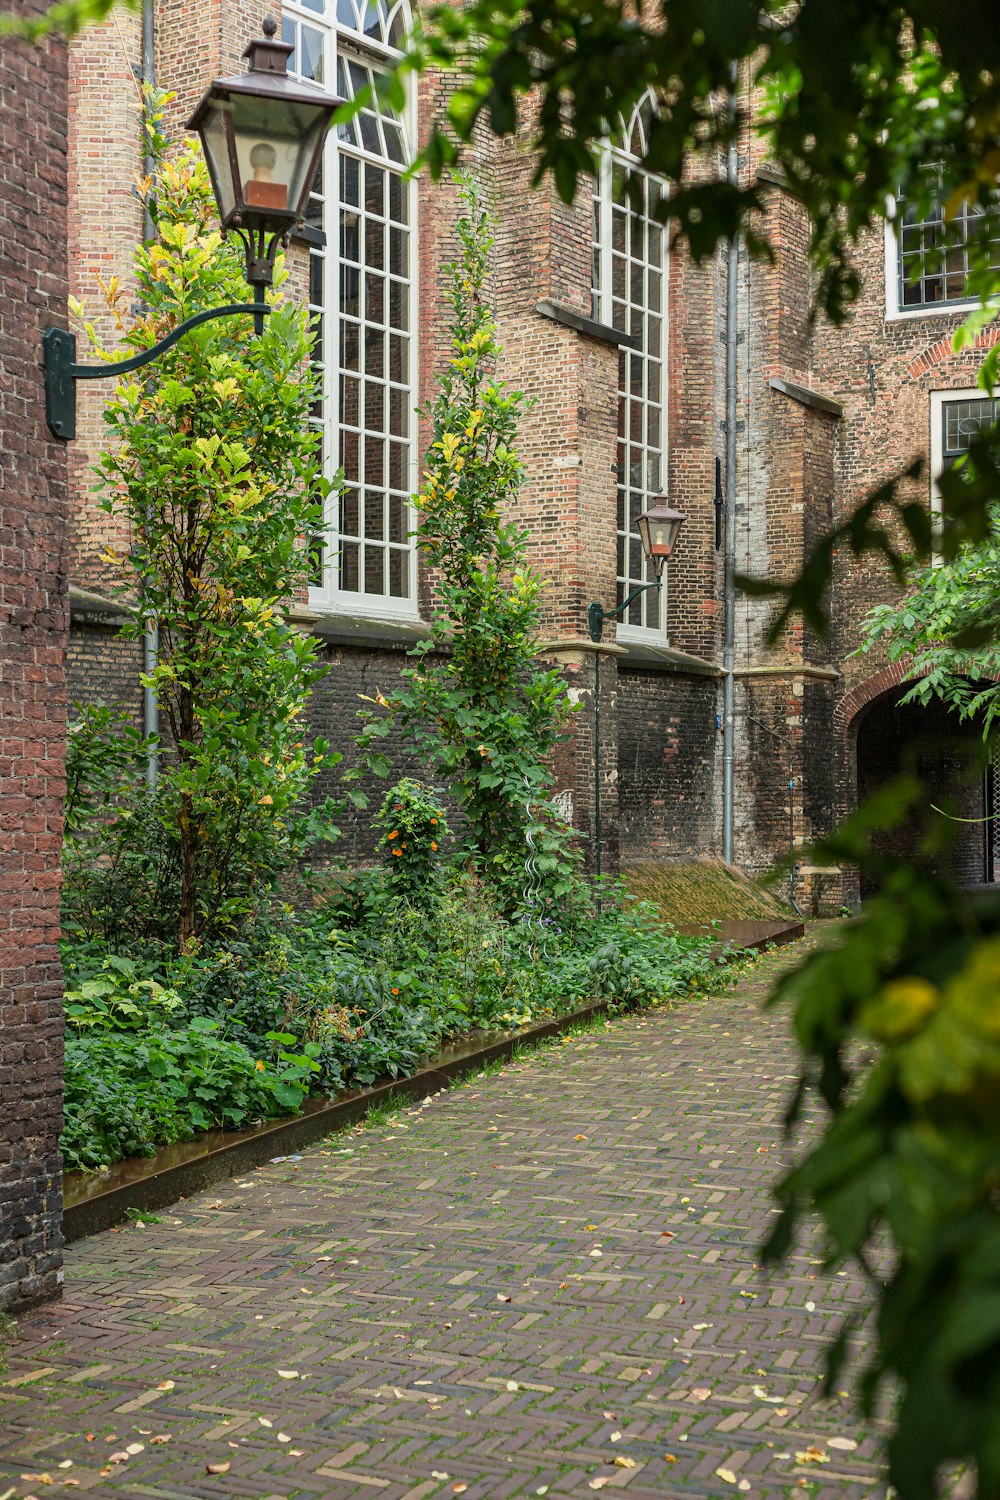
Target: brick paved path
480, 1293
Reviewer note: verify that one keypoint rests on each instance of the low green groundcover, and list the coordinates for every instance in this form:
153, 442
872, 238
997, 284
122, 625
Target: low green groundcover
357, 986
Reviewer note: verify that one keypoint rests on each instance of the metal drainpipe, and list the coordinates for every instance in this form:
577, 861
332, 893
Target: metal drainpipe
729, 588
151, 639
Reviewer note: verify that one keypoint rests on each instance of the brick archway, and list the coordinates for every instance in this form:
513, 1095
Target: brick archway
866, 692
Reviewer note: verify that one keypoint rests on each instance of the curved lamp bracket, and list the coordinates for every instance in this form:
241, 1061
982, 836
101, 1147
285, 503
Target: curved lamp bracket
62, 372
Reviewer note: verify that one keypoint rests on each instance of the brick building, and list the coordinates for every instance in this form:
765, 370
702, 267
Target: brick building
635, 358
33, 623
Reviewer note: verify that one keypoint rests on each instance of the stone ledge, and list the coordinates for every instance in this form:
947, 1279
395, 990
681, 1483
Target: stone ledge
806, 397
643, 658
581, 643
358, 630
790, 669
84, 604
561, 312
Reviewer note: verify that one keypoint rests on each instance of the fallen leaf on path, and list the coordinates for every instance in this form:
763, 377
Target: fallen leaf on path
38, 1478
666, 1234
597, 1254
283, 1437
812, 1455
701, 1325
265, 1421
502, 1298
512, 1385
616, 1437
289, 1374
67, 1463
598, 1484
161, 1437
727, 1475
743, 1485
762, 1395
118, 1458
439, 1474
165, 1385
846, 1445
579, 1138
222, 1468
459, 1489
701, 1393
621, 1462
670, 1458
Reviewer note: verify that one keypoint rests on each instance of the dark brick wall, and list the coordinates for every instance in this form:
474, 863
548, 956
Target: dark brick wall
33, 608
669, 774
99, 664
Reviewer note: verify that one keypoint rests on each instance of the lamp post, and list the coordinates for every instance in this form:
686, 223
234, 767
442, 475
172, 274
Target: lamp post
657, 528
263, 136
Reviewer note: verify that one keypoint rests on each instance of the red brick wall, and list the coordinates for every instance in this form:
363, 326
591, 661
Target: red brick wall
33, 608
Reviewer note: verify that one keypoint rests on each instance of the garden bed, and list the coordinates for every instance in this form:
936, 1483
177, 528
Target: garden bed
95, 1201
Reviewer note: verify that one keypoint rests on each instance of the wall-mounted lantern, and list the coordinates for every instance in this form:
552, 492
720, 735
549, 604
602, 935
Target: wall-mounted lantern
263, 135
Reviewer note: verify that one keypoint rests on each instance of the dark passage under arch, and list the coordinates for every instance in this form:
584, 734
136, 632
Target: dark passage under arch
951, 759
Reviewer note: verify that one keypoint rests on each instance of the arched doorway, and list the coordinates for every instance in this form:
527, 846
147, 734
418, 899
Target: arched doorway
950, 758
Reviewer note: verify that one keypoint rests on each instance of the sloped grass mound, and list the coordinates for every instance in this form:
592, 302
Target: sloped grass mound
701, 891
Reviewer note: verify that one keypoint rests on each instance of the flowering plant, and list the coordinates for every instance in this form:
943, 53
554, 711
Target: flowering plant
414, 833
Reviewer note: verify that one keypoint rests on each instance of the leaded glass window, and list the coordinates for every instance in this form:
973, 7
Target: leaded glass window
630, 293
963, 422
361, 297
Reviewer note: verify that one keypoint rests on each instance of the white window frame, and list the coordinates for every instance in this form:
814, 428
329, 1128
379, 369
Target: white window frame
610, 155
896, 314
939, 400
328, 597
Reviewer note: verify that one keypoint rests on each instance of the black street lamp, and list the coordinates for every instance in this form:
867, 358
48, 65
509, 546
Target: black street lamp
657, 528
263, 136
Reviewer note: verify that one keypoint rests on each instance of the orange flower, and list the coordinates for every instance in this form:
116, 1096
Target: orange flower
395, 989
394, 834
433, 820
260, 1067
397, 851
433, 845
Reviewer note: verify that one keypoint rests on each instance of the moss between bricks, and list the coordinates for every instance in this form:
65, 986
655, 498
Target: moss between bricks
701, 891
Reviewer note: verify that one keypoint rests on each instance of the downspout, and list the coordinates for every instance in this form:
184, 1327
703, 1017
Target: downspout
729, 584
151, 638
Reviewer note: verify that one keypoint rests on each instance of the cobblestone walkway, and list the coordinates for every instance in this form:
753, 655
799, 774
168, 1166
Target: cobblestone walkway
542, 1282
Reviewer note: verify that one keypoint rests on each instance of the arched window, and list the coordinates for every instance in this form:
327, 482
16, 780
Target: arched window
361, 296
630, 293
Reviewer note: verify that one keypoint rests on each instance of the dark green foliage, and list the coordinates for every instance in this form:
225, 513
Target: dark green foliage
127, 1094
899, 1023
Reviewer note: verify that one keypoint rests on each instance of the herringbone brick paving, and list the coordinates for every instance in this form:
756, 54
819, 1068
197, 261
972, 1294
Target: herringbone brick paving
540, 1282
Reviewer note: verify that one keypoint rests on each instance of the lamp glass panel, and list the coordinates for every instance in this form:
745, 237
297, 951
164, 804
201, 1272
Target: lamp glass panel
275, 142
215, 136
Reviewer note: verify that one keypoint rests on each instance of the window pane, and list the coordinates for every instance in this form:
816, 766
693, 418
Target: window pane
630, 285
